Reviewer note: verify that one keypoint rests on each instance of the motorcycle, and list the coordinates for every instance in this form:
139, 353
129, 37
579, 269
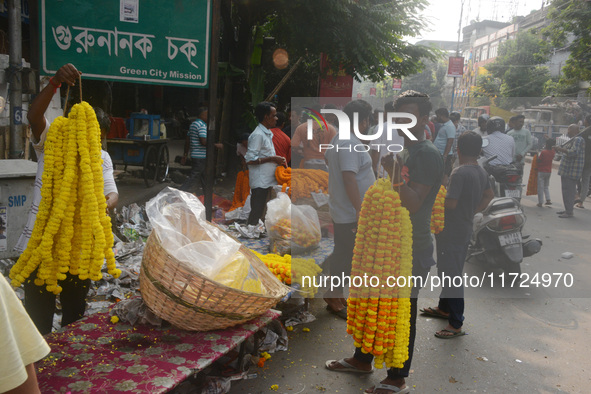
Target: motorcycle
506, 179
497, 241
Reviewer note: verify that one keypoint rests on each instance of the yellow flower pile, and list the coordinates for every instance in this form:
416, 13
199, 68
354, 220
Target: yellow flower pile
291, 270
379, 317
307, 181
305, 267
438, 212
72, 230
280, 266
235, 275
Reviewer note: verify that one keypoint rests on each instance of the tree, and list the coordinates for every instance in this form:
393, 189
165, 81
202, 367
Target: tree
487, 88
430, 80
520, 71
572, 18
365, 37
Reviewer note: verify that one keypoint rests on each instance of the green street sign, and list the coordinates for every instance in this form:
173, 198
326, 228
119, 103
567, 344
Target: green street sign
147, 41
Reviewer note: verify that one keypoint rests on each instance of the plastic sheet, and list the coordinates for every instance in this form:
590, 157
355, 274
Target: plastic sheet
178, 218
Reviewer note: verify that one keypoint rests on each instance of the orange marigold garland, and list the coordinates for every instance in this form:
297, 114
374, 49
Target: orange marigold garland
438, 211
379, 318
72, 231
532, 182
241, 191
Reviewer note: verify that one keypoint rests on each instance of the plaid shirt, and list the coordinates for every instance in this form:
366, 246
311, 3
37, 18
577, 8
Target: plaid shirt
573, 161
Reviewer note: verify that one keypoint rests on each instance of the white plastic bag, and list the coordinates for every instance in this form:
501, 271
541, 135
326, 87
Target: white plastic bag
297, 225
178, 218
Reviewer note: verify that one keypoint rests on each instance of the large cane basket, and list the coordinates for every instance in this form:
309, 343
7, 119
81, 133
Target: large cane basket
189, 300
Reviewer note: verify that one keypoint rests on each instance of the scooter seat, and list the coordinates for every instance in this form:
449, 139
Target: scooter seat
500, 203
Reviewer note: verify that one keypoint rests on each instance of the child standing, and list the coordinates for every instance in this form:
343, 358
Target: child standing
544, 171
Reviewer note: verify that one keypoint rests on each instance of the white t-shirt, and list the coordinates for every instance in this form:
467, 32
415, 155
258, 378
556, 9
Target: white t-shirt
346, 159
110, 186
20, 341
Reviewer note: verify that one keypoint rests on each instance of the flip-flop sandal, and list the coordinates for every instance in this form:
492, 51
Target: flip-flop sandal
348, 367
384, 386
433, 313
342, 313
454, 334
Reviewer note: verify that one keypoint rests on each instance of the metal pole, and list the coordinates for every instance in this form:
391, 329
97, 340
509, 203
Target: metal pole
213, 124
453, 90
16, 147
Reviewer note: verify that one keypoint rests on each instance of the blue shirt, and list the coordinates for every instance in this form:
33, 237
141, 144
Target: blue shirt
197, 131
260, 145
447, 131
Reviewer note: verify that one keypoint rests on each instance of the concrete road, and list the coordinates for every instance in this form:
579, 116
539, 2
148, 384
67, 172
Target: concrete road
525, 340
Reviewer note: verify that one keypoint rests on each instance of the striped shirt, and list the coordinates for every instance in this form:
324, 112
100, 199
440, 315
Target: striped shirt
500, 145
197, 131
573, 161
110, 187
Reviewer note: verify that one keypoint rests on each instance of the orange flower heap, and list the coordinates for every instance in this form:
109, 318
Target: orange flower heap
241, 191
438, 212
378, 317
72, 231
306, 182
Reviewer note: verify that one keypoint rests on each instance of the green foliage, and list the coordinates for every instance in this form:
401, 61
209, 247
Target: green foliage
561, 87
431, 81
568, 16
518, 67
486, 89
365, 37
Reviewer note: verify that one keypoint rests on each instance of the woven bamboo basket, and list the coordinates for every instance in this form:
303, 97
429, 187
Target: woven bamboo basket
191, 301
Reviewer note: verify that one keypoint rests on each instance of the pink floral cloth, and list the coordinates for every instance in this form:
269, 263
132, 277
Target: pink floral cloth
95, 356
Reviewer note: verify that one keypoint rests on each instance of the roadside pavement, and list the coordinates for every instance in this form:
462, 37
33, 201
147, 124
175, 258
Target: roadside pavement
525, 340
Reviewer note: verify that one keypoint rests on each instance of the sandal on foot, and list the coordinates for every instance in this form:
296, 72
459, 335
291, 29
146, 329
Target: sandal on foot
454, 334
392, 388
347, 367
434, 313
580, 205
342, 313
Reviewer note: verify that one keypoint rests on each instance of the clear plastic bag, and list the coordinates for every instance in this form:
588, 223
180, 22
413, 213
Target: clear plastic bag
296, 224
179, 221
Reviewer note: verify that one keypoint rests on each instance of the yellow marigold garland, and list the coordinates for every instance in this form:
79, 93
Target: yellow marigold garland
72, 231
438, 211
292, 270
379, 318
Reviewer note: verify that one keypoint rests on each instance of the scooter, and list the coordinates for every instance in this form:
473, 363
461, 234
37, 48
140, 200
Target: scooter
497, 241
506, 179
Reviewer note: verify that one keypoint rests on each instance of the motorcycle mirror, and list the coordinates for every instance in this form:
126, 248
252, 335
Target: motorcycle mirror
485, 142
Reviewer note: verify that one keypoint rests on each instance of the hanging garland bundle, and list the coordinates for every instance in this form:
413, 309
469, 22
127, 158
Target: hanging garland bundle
379, 317
72, 230
438, 211
532, 182
241, 190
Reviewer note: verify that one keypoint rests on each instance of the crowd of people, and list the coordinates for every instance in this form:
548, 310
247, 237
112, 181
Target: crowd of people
442, 152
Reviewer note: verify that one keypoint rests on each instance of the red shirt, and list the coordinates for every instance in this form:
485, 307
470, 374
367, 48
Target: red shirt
545, 160
282, 144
